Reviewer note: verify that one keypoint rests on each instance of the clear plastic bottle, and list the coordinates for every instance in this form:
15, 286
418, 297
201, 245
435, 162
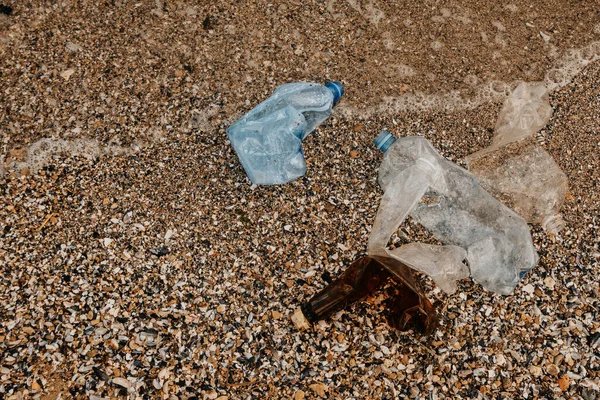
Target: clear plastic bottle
516, 169
449, 202
407, 308
268, 139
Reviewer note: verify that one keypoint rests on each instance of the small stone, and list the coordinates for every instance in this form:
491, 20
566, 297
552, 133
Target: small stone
160, 251
122, 382
549, 282
528, 288
500, 360
545, 36
107, 242
73, 47
212, 395
552, 369
67, 74
535, 370
318, 388
299, 320
353, 154
179, 73
310, 273
35, 385
276, 314
29, 330
563, 382
299, 395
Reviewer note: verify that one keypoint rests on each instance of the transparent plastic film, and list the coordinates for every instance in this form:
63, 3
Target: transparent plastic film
444, 264
524, 112
401, 195
449, 202
515, 168
402, 192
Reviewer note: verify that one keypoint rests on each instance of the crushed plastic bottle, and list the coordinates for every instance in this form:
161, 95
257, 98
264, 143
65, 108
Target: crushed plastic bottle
407, 308
525, 112
448, 201
268, 139
517, 170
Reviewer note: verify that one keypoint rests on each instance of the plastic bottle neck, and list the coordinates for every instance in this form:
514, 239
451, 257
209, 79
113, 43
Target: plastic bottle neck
384, 141
336, 89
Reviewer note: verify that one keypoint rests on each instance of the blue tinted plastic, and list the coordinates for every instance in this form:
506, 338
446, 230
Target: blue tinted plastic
384, 140
337, 89
268, 140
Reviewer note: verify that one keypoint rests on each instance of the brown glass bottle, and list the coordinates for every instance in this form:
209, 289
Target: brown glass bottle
407, 308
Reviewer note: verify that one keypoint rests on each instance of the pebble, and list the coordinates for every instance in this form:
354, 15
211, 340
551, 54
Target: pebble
564, 382
67, 74
552, 369
549, 282
318, 388
528, 288
122, 382
535, 370
500, 359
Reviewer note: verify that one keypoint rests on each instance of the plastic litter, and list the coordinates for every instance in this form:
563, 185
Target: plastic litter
444, 264
268, 139
515, 169
407, 308
449, 202
525, 112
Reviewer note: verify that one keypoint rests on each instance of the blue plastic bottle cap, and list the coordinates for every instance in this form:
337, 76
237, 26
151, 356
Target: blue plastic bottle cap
337, 89
384, 140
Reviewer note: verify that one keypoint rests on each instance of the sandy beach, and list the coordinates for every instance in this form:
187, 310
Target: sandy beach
138, 261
